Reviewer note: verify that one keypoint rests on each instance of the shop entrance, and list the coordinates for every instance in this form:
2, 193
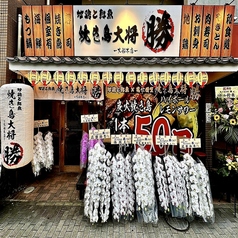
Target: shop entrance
64, 119
65, 124
71, 130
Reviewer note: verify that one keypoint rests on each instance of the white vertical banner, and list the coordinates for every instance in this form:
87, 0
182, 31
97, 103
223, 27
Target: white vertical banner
208, 112
17, 124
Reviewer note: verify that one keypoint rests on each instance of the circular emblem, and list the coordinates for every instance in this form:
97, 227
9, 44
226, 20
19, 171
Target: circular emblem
96, 92
12, 154
158, 31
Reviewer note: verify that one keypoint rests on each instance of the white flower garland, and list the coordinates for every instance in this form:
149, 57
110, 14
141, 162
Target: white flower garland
144, 186
39, 155
43, 152
115, 191
130, 187
183, 187
162, 185
97, 193
170, 183
49, 150
199, 190
187, 189
123, 191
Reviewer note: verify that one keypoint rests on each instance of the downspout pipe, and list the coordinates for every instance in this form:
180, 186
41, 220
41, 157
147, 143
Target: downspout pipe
19, 33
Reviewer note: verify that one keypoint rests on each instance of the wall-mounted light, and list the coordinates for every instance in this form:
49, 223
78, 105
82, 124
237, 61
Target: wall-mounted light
194, 3
230, 2
25, 2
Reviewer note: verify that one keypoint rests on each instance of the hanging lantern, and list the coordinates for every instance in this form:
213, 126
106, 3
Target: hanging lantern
58, 77
190, 78
45, 77
107, 78
202, 79
165, 79
177, 79
154, 79
142, 78
82, 78
17, 124
131, 78
94, 78
33, 77
70, 78
118, 78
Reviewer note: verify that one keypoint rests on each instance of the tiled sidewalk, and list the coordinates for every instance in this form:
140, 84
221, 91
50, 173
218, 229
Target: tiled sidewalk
53, 187
53, 209
51, 220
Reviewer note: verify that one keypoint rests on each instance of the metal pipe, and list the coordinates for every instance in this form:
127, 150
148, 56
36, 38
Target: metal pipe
19, 34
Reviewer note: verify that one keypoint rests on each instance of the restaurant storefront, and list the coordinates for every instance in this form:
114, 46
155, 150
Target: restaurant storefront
134, 77
112, 65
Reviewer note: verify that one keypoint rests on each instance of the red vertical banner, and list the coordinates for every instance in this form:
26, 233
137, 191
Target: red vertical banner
217, 31
185, 38
68, 30
48, 30
28, 31
38, 30
206, 31
196, 31
58, 30
227, 31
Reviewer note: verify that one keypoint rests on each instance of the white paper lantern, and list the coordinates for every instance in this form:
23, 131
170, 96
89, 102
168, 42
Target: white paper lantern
17, 124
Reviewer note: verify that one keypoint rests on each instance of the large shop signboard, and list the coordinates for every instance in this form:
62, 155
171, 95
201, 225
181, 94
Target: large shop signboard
130, 30
122, 31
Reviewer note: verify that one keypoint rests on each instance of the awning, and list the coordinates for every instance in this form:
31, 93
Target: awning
216, 68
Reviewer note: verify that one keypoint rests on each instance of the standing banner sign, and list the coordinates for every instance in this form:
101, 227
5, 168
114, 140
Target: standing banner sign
17, 124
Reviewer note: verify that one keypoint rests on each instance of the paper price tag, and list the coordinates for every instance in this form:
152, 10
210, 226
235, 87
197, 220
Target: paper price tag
106, 133
197, 142
122, 139
166, 140
93, 135
184, 143
99, 134
41, 123
142, 139
190, 143
89, 118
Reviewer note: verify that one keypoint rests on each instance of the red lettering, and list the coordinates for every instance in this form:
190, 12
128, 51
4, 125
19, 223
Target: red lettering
161, 126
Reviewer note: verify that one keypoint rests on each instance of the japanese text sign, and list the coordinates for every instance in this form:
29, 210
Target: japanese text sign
121, 139
89, 118
99, 134
127, 31
17, 124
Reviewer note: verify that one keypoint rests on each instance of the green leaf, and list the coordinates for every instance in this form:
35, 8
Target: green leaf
223, 171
